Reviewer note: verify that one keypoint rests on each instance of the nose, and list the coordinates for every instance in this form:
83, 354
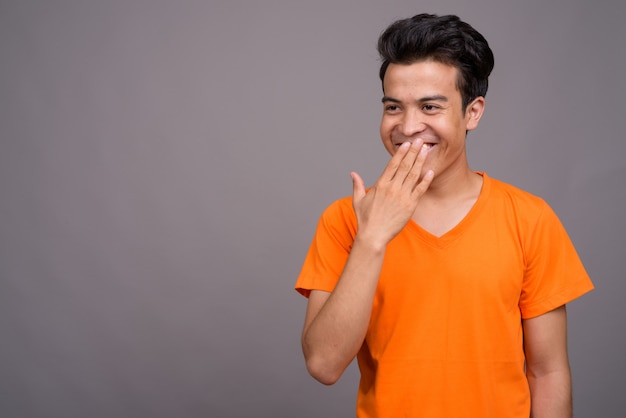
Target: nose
411, 124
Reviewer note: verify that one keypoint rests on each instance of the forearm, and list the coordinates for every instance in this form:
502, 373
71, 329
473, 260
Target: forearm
336, 324
551, 394
547, 365
336, 334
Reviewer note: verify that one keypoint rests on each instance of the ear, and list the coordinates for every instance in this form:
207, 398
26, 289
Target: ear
473, 113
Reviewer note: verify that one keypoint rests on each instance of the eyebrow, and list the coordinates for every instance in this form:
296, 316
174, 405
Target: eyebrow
435, 98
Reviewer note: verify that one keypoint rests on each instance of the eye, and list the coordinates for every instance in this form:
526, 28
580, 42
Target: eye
391, 108
430, 107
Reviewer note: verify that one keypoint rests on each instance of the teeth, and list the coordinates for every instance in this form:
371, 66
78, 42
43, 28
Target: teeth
426, 146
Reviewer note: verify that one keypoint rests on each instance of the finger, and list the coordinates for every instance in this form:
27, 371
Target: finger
423, 185
358, 186
413, 176
393, 164
409, 160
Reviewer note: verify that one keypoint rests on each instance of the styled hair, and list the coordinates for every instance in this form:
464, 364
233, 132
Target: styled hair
445, 39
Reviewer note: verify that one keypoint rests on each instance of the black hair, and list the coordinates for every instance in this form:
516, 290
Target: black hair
446, 39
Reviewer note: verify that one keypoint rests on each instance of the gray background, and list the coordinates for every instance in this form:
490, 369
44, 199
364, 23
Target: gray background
163, 165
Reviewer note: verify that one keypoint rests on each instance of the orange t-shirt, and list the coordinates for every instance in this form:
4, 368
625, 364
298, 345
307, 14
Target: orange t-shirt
445, 335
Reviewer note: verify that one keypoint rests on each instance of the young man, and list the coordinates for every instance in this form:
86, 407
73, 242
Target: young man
449, 286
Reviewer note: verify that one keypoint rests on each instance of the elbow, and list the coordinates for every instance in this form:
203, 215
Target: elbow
321, 371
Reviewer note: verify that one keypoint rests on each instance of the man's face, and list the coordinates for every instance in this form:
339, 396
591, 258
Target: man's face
421, 101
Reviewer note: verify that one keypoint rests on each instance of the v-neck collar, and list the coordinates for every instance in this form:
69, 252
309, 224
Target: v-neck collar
458, 230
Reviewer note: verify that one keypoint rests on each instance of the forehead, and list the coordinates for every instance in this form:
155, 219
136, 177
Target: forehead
421, 78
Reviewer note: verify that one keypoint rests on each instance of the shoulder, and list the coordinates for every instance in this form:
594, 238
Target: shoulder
343, 204
524, 212
339, 215
340, 208
520, 200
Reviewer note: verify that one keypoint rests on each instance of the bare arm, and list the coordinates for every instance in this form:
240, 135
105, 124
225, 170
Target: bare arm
547, 365
336, 323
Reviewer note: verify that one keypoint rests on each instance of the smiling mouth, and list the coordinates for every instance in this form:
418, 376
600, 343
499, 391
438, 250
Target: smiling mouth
427, 145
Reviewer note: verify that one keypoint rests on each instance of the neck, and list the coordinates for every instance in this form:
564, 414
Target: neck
453, 186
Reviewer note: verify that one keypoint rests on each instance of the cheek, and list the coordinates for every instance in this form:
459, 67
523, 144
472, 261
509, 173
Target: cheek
384, 131
386, 126
385, 137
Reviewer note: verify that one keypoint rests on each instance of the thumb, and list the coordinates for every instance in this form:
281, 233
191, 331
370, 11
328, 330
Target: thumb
358, 186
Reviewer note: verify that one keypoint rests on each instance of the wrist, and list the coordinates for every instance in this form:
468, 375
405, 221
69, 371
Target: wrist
368, 243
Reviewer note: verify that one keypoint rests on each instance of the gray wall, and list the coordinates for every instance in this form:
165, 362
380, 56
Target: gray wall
163, 165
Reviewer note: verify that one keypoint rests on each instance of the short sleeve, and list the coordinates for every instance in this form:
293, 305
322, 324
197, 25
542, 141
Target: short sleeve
329, 249
554, 274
